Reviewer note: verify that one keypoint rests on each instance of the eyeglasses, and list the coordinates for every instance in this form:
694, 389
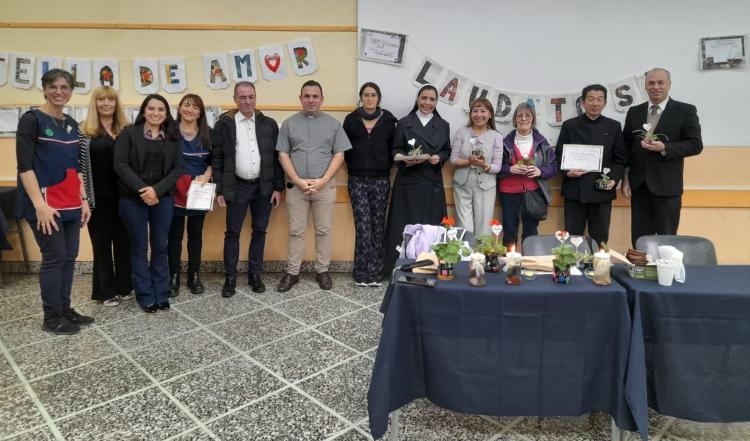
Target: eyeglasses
524, 116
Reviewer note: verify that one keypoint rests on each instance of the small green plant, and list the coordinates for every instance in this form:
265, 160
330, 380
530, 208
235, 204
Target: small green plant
527, 162
565, 257
451, 251
490, 245
603, 180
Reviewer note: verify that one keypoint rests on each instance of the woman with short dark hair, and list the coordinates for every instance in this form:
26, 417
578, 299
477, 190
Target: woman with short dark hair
52, 197
148, 160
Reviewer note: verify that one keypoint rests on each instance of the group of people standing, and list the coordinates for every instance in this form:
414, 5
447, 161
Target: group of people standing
129, 183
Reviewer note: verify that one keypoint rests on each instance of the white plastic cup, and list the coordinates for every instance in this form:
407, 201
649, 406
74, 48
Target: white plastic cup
665, 271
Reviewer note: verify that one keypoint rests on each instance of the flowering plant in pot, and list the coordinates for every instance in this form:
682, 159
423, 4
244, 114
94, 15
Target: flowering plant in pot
492, 247
565, 257
449, 252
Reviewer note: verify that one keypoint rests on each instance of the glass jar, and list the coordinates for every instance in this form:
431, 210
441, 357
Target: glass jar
476, 269
513, 268
602, 264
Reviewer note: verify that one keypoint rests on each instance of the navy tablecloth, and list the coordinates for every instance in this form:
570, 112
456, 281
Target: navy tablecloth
538, 349
696, 337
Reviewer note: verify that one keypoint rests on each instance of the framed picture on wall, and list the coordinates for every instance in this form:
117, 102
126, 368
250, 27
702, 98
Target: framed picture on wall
723, 52
381, 46
9, 121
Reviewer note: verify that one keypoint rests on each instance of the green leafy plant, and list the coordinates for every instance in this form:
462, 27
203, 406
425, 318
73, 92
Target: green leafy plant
450, 251
490, 245
603, 180
565, 257
527, 162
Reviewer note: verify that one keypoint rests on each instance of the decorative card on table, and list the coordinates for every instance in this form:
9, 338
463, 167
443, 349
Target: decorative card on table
582, 157
201, 196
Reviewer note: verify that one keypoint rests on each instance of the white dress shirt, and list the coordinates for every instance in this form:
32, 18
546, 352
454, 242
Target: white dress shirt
247, 158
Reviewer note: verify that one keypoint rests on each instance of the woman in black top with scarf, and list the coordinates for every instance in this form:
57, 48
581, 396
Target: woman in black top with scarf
370, 130
148, 161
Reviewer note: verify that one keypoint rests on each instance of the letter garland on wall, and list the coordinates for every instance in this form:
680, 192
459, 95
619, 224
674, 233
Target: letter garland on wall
149, 74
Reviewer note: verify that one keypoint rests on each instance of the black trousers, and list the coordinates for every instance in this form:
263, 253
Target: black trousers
596, 215
247, 195
109, 241
651, 214
194, 242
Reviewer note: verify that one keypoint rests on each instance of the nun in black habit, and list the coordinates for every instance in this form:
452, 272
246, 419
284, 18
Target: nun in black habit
418, 196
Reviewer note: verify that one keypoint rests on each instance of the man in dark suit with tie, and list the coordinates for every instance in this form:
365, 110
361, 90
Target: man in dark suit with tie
654, 180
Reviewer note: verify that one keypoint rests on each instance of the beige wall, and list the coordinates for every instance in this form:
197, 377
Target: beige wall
716, 203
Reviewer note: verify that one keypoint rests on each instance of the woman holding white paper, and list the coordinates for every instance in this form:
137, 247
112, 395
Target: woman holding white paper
196, 154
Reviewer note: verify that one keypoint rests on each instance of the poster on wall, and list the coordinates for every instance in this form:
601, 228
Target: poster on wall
302, 55
22, 70
173, 77
145, 79
216, 71
723, 52
272, 62
45, 64
106, 73
244, 65
4, 59
381, 46
80, 68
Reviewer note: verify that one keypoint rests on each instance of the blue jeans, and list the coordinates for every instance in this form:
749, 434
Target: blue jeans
512, 204
247, 194
148, 224
59, 252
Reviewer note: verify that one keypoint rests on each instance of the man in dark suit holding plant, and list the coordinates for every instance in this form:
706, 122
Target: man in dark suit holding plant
659, 134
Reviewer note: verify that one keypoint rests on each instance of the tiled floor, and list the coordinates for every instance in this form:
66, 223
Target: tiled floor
292, 366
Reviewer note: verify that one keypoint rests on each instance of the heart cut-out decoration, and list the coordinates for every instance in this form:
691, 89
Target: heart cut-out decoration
576, 241
273, 62
562, 236
496, 229
452, 234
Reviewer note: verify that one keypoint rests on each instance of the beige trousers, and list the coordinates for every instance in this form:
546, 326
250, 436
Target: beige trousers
299, 205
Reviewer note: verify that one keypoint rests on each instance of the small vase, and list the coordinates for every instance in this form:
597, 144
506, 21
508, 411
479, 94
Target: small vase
560, 276
492, 262
445, 271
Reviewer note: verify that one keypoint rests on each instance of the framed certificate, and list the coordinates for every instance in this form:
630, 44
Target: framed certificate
582, 157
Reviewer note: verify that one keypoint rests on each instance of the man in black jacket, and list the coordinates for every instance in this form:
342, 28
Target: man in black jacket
248, 174
585, 203
657, 162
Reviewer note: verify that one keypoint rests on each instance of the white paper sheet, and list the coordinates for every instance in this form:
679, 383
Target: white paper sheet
201, 196
582, 157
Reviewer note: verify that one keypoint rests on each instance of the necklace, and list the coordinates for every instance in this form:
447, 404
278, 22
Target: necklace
187, 132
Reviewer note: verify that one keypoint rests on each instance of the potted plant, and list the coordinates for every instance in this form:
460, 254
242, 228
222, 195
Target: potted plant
492, 247
565, 257
603, 182
450, 251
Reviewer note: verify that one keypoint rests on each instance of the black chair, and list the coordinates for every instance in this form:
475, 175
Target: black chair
10, 224
696, 250
542, 244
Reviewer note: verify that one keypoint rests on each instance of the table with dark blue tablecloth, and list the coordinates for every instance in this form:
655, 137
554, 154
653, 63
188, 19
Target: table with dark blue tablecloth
537, 349
696, 337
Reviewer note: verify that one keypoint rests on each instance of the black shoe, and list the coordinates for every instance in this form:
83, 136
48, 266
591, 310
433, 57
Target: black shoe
287, 282
174, 285
77, 318
256, 283
194, 284
163, 306
324, 280
228, 289
60, 326
149, 309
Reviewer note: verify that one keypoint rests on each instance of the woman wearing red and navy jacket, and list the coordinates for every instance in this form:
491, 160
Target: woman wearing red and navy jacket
196, 157
51, 198
528, 163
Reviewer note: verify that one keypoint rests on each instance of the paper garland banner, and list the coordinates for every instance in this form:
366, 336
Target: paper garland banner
271, 60
428, 73
504, 106
450, 87
22, 70
106, 73
145, 78
4, 62
244, 65
80, 68
45, 64
623, 93
216, 71
173, 75
302, 57
558, 108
